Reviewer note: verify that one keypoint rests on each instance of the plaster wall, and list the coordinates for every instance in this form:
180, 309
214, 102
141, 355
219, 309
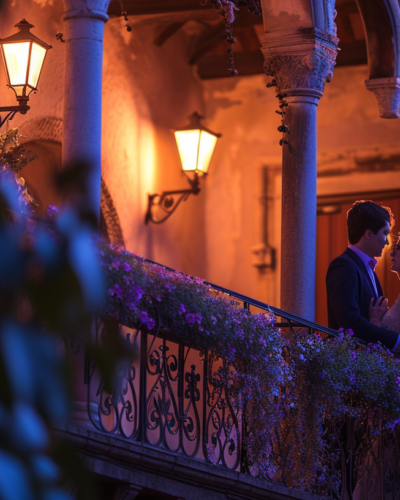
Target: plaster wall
349, 129
147, 90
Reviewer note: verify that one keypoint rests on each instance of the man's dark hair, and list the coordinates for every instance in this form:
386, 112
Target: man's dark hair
365, 215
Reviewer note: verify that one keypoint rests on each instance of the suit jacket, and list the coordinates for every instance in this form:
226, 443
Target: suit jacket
349, 291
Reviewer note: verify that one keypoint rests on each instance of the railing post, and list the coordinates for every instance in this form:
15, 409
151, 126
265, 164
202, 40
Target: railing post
205, 388
143, 388
347, 459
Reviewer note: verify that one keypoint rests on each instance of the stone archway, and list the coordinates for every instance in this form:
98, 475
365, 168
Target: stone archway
45, 134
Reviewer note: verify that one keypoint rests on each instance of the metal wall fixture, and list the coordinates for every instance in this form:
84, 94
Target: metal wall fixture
23, 55
196, 145
329, 209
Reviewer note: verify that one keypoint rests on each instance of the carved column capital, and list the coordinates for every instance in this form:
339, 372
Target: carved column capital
96, 9
387, 93
300, 61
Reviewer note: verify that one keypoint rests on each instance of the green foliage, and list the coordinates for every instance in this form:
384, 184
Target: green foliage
13, 158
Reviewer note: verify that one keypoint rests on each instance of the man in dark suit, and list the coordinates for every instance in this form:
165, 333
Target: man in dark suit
351, 281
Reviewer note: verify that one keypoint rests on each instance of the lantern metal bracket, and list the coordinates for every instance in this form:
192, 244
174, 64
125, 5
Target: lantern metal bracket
12, 111
169, 201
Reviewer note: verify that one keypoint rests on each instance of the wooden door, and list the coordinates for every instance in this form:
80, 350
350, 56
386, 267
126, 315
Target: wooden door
332, 241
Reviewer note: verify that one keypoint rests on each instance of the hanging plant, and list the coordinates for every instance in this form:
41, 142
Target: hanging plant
124, 14
13, 158
226, 9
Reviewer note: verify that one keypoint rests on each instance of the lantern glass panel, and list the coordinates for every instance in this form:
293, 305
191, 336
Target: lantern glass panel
37, 58
206, 150
17, 57
19, 90
188, 147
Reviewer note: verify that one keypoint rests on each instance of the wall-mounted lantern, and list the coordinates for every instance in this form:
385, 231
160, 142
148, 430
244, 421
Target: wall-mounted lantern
23, 56
196, 145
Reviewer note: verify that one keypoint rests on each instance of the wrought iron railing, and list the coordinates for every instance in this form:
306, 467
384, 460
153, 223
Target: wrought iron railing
177, 399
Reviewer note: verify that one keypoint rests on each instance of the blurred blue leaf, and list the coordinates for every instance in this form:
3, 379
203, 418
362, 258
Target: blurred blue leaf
45, 468
67, 222
18, 359
11, 258
9, 190
14, 481
56, 495
85, 262
46, 248
52, 394
29, 430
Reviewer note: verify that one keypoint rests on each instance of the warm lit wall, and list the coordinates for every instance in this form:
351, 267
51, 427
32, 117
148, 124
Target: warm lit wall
349, 127
147, 90
46, 16
243, 110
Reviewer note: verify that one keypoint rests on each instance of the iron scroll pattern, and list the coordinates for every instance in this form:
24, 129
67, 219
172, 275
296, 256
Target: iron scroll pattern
222, 442
116, 413
175, 398
172, 419
172, 397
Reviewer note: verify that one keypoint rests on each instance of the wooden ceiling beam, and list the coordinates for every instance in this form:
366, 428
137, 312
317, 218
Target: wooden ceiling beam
149, 7
208, 39
168, 32
252, 63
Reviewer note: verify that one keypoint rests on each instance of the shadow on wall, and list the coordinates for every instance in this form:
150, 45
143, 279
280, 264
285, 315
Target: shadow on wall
39, 176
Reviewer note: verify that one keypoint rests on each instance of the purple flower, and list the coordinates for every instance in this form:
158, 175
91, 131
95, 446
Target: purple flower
191, 318
150, 324
51, 211
182, 309
143, 316
213, 320
350, 332
115, 290
199, 318
126, 266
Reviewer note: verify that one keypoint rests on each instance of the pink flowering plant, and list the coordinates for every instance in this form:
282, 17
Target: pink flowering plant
288, 389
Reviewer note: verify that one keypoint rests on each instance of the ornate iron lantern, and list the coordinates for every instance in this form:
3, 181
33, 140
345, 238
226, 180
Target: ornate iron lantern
196, 145
23, 56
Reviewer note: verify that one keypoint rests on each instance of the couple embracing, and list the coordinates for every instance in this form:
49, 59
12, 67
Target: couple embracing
355, 297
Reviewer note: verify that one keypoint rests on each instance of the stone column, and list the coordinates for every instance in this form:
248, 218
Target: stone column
84, 29
300, 62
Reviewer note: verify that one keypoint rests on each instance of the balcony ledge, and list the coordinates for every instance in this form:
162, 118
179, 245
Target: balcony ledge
117, 459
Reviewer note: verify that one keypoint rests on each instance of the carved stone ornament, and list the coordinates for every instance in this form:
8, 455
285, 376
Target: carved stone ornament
387, 93
303, 60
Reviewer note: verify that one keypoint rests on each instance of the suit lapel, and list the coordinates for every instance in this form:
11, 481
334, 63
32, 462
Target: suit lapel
364, 272
378, 285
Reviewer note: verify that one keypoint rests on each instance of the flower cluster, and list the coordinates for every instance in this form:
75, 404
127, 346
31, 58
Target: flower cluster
288, 388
